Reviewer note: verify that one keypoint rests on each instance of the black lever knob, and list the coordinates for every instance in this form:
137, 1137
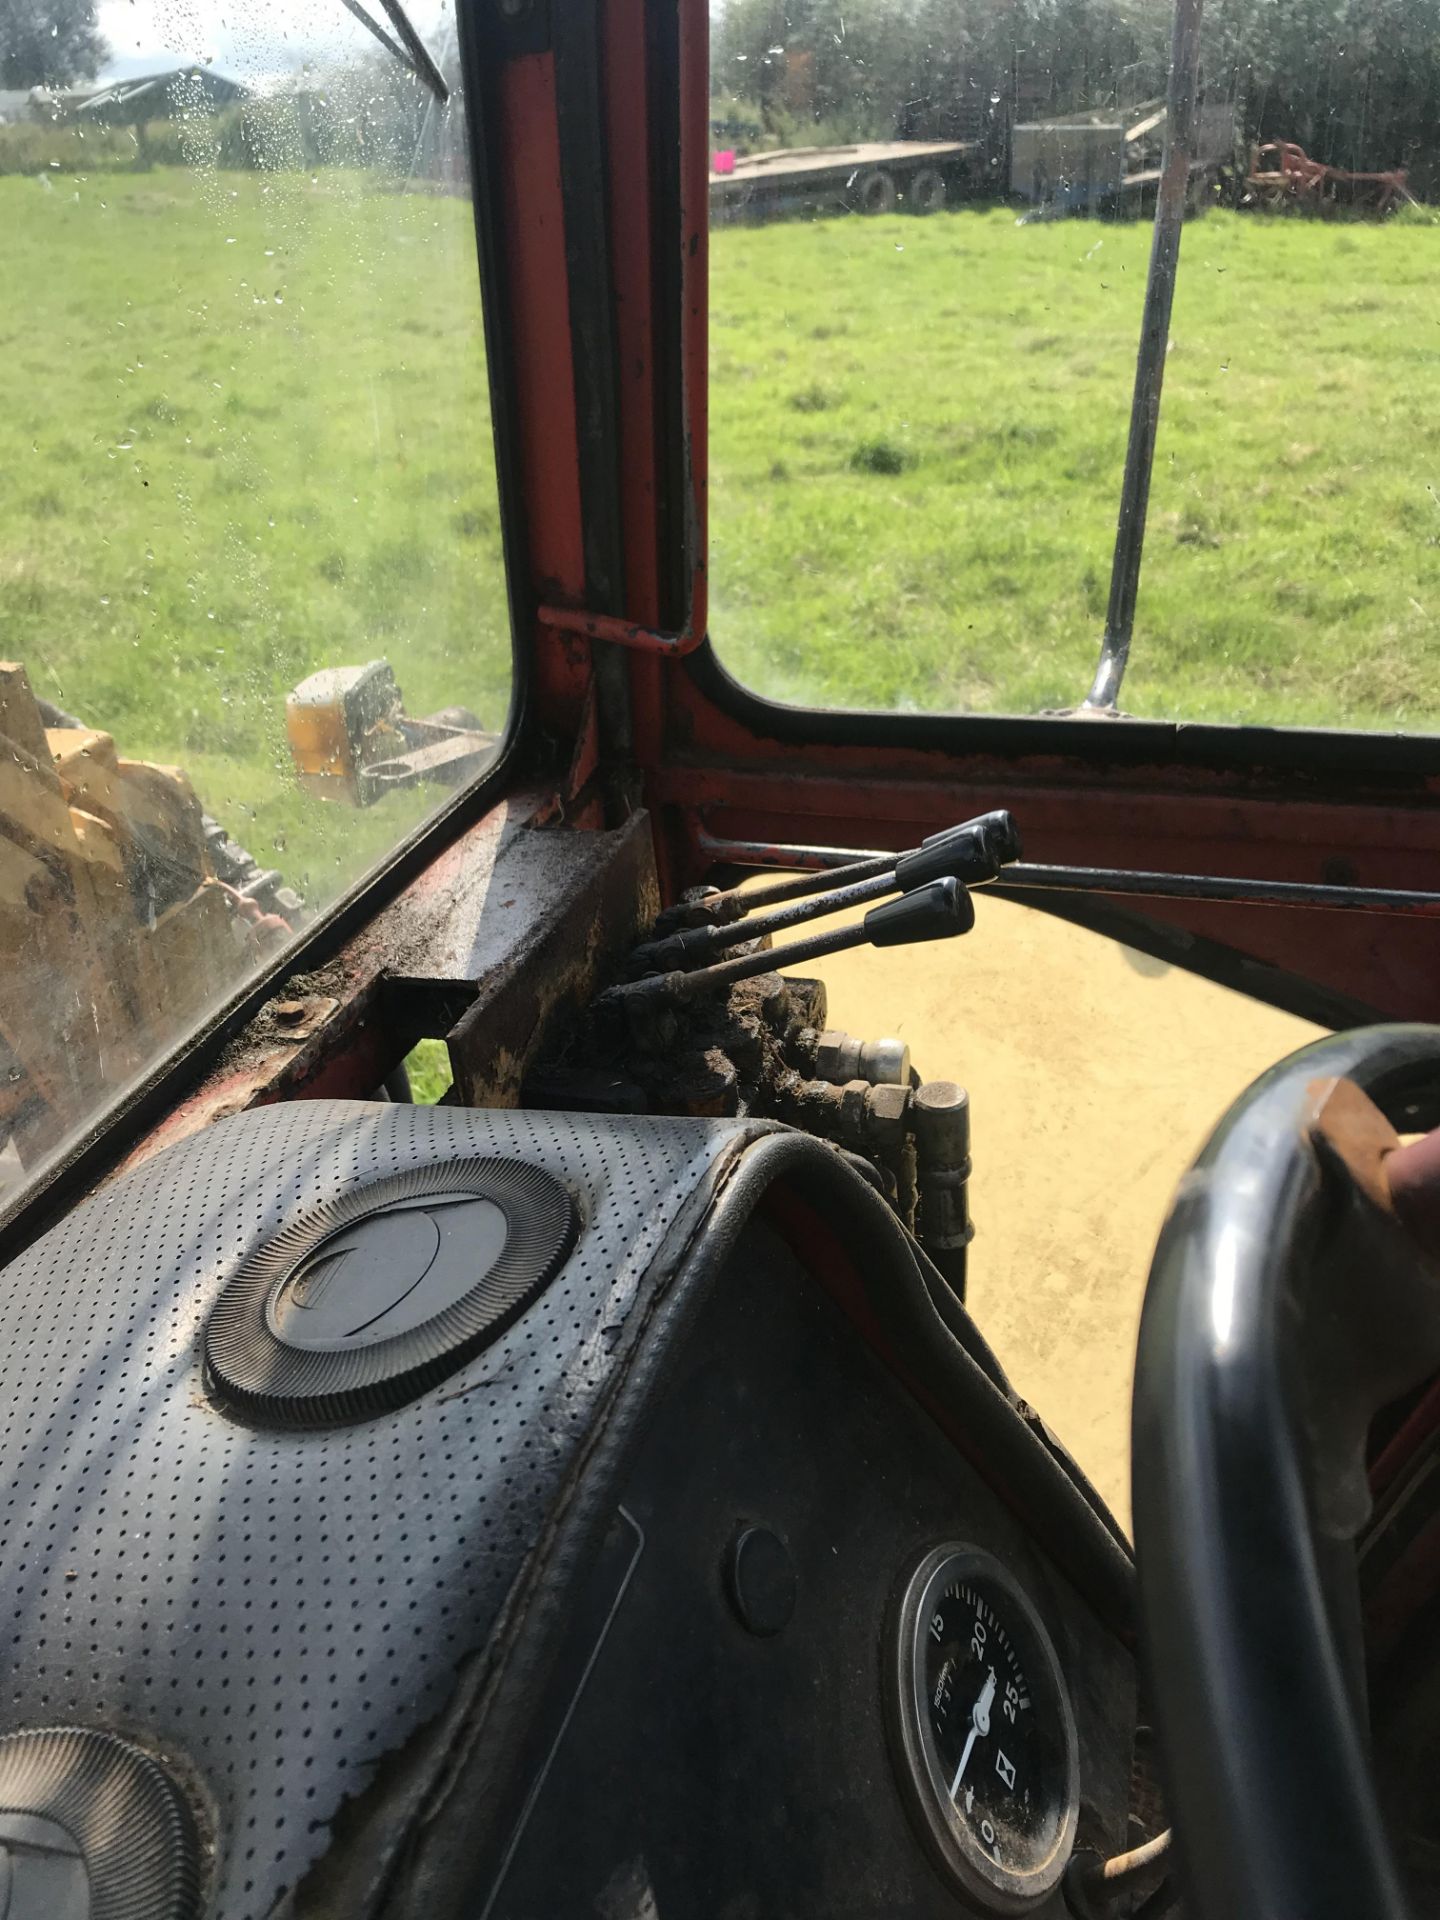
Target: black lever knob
974, 852
937, 911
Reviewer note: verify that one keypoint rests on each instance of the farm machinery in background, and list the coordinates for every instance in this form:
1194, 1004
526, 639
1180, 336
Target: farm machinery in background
351, 739
1109, 160
1283, 178
877, 176
1105, 160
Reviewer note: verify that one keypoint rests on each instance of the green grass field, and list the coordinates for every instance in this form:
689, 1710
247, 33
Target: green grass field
246, 435
917, 433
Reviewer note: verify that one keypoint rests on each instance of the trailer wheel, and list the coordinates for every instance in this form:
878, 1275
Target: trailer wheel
876, 192
927, 191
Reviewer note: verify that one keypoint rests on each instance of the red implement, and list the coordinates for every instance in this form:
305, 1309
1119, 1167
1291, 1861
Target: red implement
1283, 174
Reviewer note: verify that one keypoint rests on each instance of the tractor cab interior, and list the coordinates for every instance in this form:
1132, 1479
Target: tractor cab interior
588, 1492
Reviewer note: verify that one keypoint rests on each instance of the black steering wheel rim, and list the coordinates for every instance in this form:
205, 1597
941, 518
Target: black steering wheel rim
1242, 1568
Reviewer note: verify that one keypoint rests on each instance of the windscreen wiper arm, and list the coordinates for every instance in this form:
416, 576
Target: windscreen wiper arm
1170, 198
410, 50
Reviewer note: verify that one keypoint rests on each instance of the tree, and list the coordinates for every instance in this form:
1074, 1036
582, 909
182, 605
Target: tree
49, 43
936, 69
1356, 82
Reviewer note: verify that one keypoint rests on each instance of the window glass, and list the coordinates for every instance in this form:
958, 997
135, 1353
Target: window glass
251, 591
930, 239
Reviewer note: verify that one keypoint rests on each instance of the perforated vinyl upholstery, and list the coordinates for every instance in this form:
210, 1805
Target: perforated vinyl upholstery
279, 1610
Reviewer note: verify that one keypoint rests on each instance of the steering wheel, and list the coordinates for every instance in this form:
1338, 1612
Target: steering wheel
1295, 1290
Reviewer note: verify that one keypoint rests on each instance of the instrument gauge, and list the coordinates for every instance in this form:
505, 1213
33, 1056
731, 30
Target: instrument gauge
984, 1732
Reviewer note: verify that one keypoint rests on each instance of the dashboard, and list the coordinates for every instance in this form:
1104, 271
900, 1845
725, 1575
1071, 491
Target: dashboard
803, 1598
425, 1512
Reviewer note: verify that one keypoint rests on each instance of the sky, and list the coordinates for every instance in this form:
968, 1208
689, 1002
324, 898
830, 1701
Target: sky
250, 40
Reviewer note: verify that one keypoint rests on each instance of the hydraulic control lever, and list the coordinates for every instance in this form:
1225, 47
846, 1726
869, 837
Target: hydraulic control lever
938, 910
981, 847
971, 853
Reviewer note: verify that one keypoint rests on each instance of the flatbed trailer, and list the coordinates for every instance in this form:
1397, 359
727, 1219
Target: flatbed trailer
878, 176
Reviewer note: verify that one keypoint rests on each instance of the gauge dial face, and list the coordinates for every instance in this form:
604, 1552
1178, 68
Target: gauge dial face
986, 1735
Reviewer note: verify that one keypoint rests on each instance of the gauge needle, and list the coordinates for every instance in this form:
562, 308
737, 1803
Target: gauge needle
979, 1724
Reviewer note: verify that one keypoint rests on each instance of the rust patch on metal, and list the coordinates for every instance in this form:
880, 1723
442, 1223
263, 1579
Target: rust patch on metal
566, 937
507, 930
